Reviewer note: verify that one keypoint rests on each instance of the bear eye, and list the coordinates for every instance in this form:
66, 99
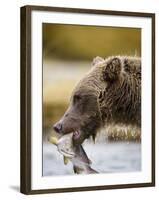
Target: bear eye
76, 98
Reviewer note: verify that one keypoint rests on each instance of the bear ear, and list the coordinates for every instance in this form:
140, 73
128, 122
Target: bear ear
97, 60
112, 69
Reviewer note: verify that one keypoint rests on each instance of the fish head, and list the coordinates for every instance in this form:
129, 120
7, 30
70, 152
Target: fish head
65, 146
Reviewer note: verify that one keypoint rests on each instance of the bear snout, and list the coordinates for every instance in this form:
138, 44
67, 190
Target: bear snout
66, 125
58, 127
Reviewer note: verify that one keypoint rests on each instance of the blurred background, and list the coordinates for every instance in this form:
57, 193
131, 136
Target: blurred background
68, 51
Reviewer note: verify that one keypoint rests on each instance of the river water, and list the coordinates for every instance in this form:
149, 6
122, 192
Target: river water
109, 157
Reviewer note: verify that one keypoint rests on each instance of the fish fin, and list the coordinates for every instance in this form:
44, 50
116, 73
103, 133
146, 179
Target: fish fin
53, 140
65, 160
76, 170
91, 171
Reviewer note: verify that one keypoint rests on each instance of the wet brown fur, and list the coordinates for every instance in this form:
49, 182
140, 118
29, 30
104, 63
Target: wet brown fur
109, 93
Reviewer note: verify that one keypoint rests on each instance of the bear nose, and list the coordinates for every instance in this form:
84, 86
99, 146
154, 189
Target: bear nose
58, 127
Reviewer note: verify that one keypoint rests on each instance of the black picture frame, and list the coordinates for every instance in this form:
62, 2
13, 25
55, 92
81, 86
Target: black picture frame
25, 154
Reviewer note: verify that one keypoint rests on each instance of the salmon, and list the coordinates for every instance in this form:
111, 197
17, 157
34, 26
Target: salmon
75, 153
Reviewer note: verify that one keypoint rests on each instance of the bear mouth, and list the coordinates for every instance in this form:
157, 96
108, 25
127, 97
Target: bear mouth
76, 135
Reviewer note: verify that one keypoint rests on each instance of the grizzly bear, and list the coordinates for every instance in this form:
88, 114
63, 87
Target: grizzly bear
109, 93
